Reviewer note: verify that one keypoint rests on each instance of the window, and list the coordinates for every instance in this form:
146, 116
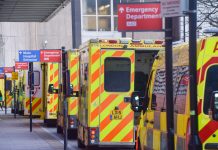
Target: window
104, 24
89, 7
36, 78
89, 23
180, 84
117, 74
99, 15
210, 86
180, 90
104, 7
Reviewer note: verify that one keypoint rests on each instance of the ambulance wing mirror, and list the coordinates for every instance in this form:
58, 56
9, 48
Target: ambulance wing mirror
136, 101
214, 106
52, 90
72, 93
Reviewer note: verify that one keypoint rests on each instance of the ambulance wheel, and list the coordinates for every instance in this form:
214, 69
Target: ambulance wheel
59, 129
80, 144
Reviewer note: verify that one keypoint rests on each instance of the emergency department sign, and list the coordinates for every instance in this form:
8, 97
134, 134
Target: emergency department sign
50, 55
8, 69
139, 17
21, 65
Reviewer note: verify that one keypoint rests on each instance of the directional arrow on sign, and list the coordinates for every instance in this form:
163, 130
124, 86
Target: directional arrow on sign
121, 9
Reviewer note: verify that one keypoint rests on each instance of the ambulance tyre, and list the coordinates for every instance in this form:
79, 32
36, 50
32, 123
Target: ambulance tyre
80, 144
59, 129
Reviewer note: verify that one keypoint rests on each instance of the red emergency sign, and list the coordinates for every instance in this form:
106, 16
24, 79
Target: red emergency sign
21, 65
139, 17
2, 76
8, 69
50, 55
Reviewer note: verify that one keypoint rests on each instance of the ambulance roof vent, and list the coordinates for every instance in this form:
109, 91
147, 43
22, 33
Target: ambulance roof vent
93, 40
211, 30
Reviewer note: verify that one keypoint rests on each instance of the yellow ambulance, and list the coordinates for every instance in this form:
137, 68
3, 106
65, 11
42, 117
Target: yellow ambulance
152, 128
73, 65
110, 70
50, 77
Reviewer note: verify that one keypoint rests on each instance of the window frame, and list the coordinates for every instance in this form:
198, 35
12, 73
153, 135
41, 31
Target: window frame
206, 75
112, 16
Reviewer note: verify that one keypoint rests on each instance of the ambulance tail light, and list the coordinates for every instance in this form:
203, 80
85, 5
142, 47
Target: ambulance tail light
72, 121
93, 134
113, 41
158, 42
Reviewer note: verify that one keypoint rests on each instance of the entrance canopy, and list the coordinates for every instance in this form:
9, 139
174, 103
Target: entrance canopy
29, 10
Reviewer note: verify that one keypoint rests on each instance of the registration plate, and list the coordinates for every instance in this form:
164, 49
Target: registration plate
116, 114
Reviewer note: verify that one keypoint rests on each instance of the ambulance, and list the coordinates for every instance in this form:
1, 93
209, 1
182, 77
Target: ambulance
110, 70
50, 77
21, 92
37, 103
152, 128
72, 60
9, 94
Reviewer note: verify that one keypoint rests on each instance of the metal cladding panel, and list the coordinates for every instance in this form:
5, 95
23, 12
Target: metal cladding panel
28, 10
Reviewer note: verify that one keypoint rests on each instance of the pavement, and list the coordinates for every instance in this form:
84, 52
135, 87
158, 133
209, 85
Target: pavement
15, 135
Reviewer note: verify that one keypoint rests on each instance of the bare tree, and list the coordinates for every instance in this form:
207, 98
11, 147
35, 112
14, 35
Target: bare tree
207, 13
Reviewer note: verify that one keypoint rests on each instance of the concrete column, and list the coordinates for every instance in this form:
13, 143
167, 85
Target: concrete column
76, 23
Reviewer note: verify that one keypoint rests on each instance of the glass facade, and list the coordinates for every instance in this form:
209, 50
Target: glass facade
101, 15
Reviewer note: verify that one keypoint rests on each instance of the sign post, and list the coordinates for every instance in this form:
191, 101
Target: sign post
30, 78
30, 56
173, 8
194, 142
64, 87
5, 78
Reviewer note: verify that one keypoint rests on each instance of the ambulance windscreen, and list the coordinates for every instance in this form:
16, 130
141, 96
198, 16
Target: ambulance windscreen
117, 74
210, 86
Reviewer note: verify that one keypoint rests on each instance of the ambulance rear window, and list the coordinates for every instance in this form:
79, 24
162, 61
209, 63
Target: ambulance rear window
117, 74
210, 86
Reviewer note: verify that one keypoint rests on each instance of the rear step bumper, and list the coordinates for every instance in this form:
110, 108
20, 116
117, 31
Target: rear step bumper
117, 145
211, 146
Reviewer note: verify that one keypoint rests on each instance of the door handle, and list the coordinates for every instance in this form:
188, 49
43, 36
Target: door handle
146, 121
151, 122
